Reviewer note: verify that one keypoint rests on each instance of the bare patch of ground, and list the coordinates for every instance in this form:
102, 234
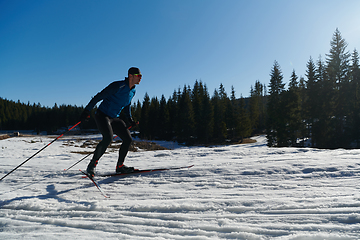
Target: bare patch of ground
134, 147
5, 136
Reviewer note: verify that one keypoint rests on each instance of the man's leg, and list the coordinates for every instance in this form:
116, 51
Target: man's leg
121, 130
104, 125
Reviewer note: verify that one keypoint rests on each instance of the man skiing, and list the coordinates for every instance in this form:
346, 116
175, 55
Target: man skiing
115, 97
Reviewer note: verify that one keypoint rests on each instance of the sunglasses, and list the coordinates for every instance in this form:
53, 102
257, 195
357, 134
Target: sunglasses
137, 75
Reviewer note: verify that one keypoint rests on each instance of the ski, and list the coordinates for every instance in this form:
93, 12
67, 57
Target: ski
95, 183
137, 171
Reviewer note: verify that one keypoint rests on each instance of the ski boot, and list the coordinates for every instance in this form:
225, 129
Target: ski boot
124, 169
91, 168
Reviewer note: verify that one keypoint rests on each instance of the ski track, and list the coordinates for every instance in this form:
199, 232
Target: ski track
233, 192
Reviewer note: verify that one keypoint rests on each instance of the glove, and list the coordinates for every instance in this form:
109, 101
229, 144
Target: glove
85, 116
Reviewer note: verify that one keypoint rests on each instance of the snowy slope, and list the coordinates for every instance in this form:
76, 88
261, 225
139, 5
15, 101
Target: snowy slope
233, 192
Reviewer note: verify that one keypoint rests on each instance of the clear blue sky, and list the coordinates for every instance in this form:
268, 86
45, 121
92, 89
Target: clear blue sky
65, 51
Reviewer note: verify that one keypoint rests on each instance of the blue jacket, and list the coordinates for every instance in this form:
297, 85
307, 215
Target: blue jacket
115, 97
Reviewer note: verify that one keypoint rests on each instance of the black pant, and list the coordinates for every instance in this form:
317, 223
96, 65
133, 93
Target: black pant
107, 127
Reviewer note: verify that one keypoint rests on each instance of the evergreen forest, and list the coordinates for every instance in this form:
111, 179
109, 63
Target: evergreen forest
319, 110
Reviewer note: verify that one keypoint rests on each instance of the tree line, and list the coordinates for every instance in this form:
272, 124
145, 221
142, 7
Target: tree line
191, 115
21, 116
323, 110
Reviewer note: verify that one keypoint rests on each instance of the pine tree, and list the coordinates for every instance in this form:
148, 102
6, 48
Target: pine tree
153, 121
338, 60
144, 120
229, 117
312, 102
354, 120
163, 119
136, 111
322, 134
257, 107
303, 99
185, 127
172, 105
275, 125
292, 110
254, 108
243, 128
233, 114
202, 112
215, 102
207, 116
219, 130
338, 73
197, 103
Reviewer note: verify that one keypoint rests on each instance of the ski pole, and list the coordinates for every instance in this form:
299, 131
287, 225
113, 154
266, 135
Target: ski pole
90, 154
39, 151
78, 161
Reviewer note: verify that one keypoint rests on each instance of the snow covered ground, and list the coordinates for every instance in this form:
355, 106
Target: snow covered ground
233, 192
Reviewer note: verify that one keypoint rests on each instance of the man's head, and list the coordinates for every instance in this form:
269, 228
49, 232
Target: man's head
134, 70
134, 76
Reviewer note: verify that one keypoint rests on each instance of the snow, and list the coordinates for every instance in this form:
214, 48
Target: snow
247, 191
